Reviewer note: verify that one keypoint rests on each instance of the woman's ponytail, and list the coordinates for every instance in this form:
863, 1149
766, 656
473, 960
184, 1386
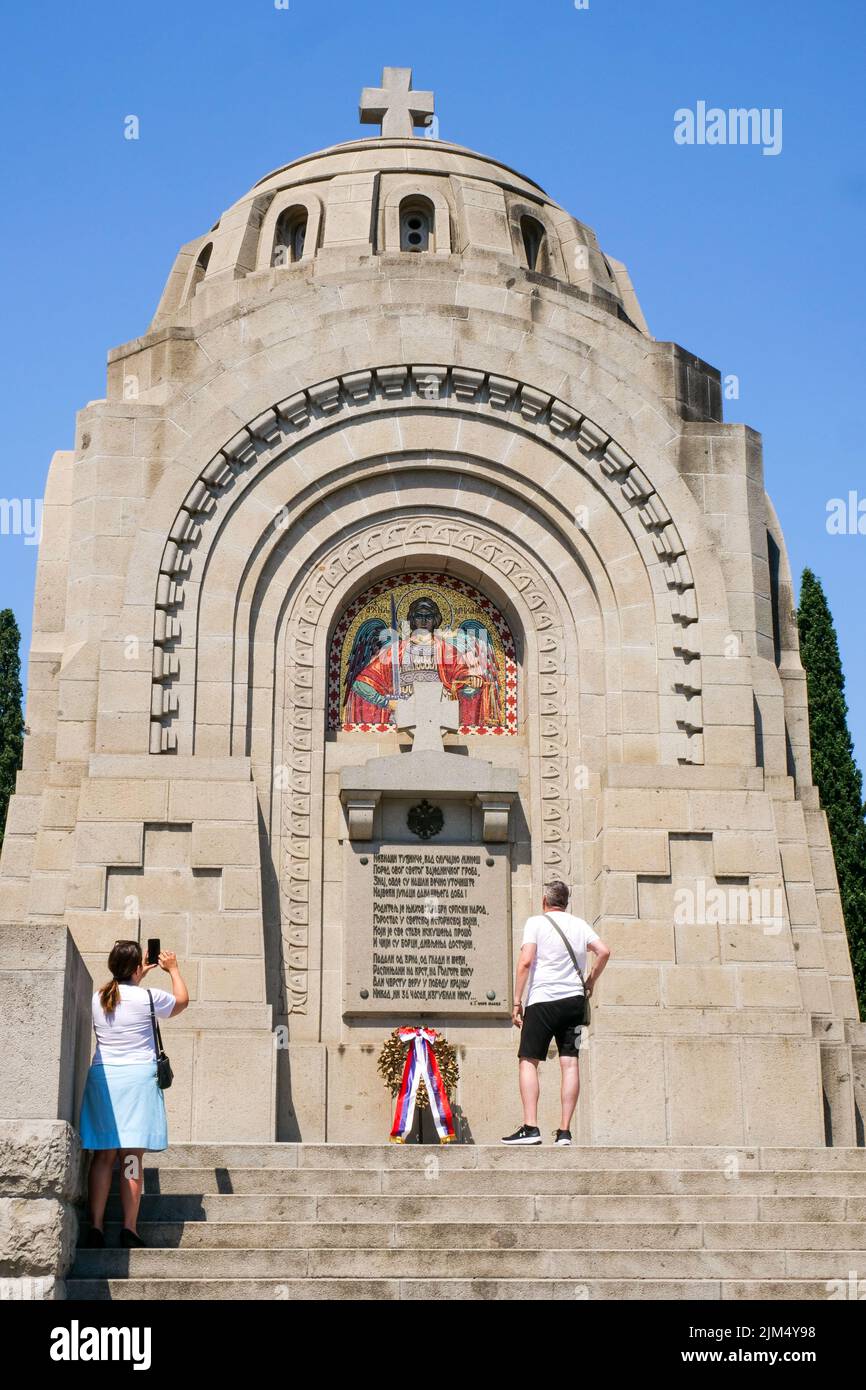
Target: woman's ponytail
123, 962
109, 996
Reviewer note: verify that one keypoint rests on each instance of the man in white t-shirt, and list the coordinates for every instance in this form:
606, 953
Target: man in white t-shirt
553, 960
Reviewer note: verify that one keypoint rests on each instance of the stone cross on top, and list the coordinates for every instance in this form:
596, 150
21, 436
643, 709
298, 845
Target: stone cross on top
427, 712
394, 104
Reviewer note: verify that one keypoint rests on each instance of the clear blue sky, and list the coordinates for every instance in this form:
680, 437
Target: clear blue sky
752, 262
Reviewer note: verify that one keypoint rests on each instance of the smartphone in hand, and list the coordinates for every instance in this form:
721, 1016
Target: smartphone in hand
153, 950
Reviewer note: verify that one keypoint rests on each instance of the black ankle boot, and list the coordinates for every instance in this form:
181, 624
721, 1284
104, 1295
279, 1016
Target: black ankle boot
95, 1239
129, 1240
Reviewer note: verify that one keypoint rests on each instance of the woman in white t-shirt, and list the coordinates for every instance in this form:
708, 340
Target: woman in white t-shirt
123, 1109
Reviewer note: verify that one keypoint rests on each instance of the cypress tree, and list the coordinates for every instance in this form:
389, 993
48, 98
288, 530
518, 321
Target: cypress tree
11, 717
834, 770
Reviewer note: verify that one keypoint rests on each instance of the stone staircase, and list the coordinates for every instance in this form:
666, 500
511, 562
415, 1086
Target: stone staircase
325, 1221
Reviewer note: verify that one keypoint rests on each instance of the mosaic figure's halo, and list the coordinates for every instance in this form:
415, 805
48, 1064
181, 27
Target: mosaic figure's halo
431, 591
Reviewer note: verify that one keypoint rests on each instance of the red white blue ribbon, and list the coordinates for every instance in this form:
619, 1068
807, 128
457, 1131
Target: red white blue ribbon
421, 1065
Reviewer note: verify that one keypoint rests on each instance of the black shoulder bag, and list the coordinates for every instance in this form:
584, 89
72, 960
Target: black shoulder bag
587, 1009
164, 1073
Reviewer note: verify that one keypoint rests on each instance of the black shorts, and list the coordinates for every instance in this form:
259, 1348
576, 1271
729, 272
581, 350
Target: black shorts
560, 1019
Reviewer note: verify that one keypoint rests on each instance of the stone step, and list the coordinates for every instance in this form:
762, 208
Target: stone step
311, 1221
480, 1235
487, 1156
377, 1262
510, 1181
425, 1289
500, 1208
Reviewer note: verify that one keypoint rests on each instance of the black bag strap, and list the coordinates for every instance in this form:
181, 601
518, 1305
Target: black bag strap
568, 947
157, 1036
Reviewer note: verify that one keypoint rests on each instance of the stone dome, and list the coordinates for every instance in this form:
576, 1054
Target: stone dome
346, 207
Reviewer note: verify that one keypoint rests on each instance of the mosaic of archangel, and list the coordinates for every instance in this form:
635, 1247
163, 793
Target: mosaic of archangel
422, 627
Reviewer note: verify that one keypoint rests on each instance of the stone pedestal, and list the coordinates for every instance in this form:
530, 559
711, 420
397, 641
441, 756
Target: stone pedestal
45, 993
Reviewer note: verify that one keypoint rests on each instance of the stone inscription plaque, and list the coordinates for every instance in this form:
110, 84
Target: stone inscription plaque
427, 930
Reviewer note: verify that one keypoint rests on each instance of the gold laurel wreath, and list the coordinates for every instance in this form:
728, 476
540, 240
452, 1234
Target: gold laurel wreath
392, 1060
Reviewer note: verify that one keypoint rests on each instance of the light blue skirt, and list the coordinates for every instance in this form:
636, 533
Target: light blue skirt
123, 1108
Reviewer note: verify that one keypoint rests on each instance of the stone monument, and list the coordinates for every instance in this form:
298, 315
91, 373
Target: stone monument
399, 571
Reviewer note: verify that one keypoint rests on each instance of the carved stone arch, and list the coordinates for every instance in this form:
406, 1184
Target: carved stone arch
233, 241
282, 202
215, 442
300, 417
592, 601
240, 545
520, 208
199, 268
439, 540
429, 189
469, 487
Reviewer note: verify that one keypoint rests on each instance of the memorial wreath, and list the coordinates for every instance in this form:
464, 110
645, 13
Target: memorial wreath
419, 1067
